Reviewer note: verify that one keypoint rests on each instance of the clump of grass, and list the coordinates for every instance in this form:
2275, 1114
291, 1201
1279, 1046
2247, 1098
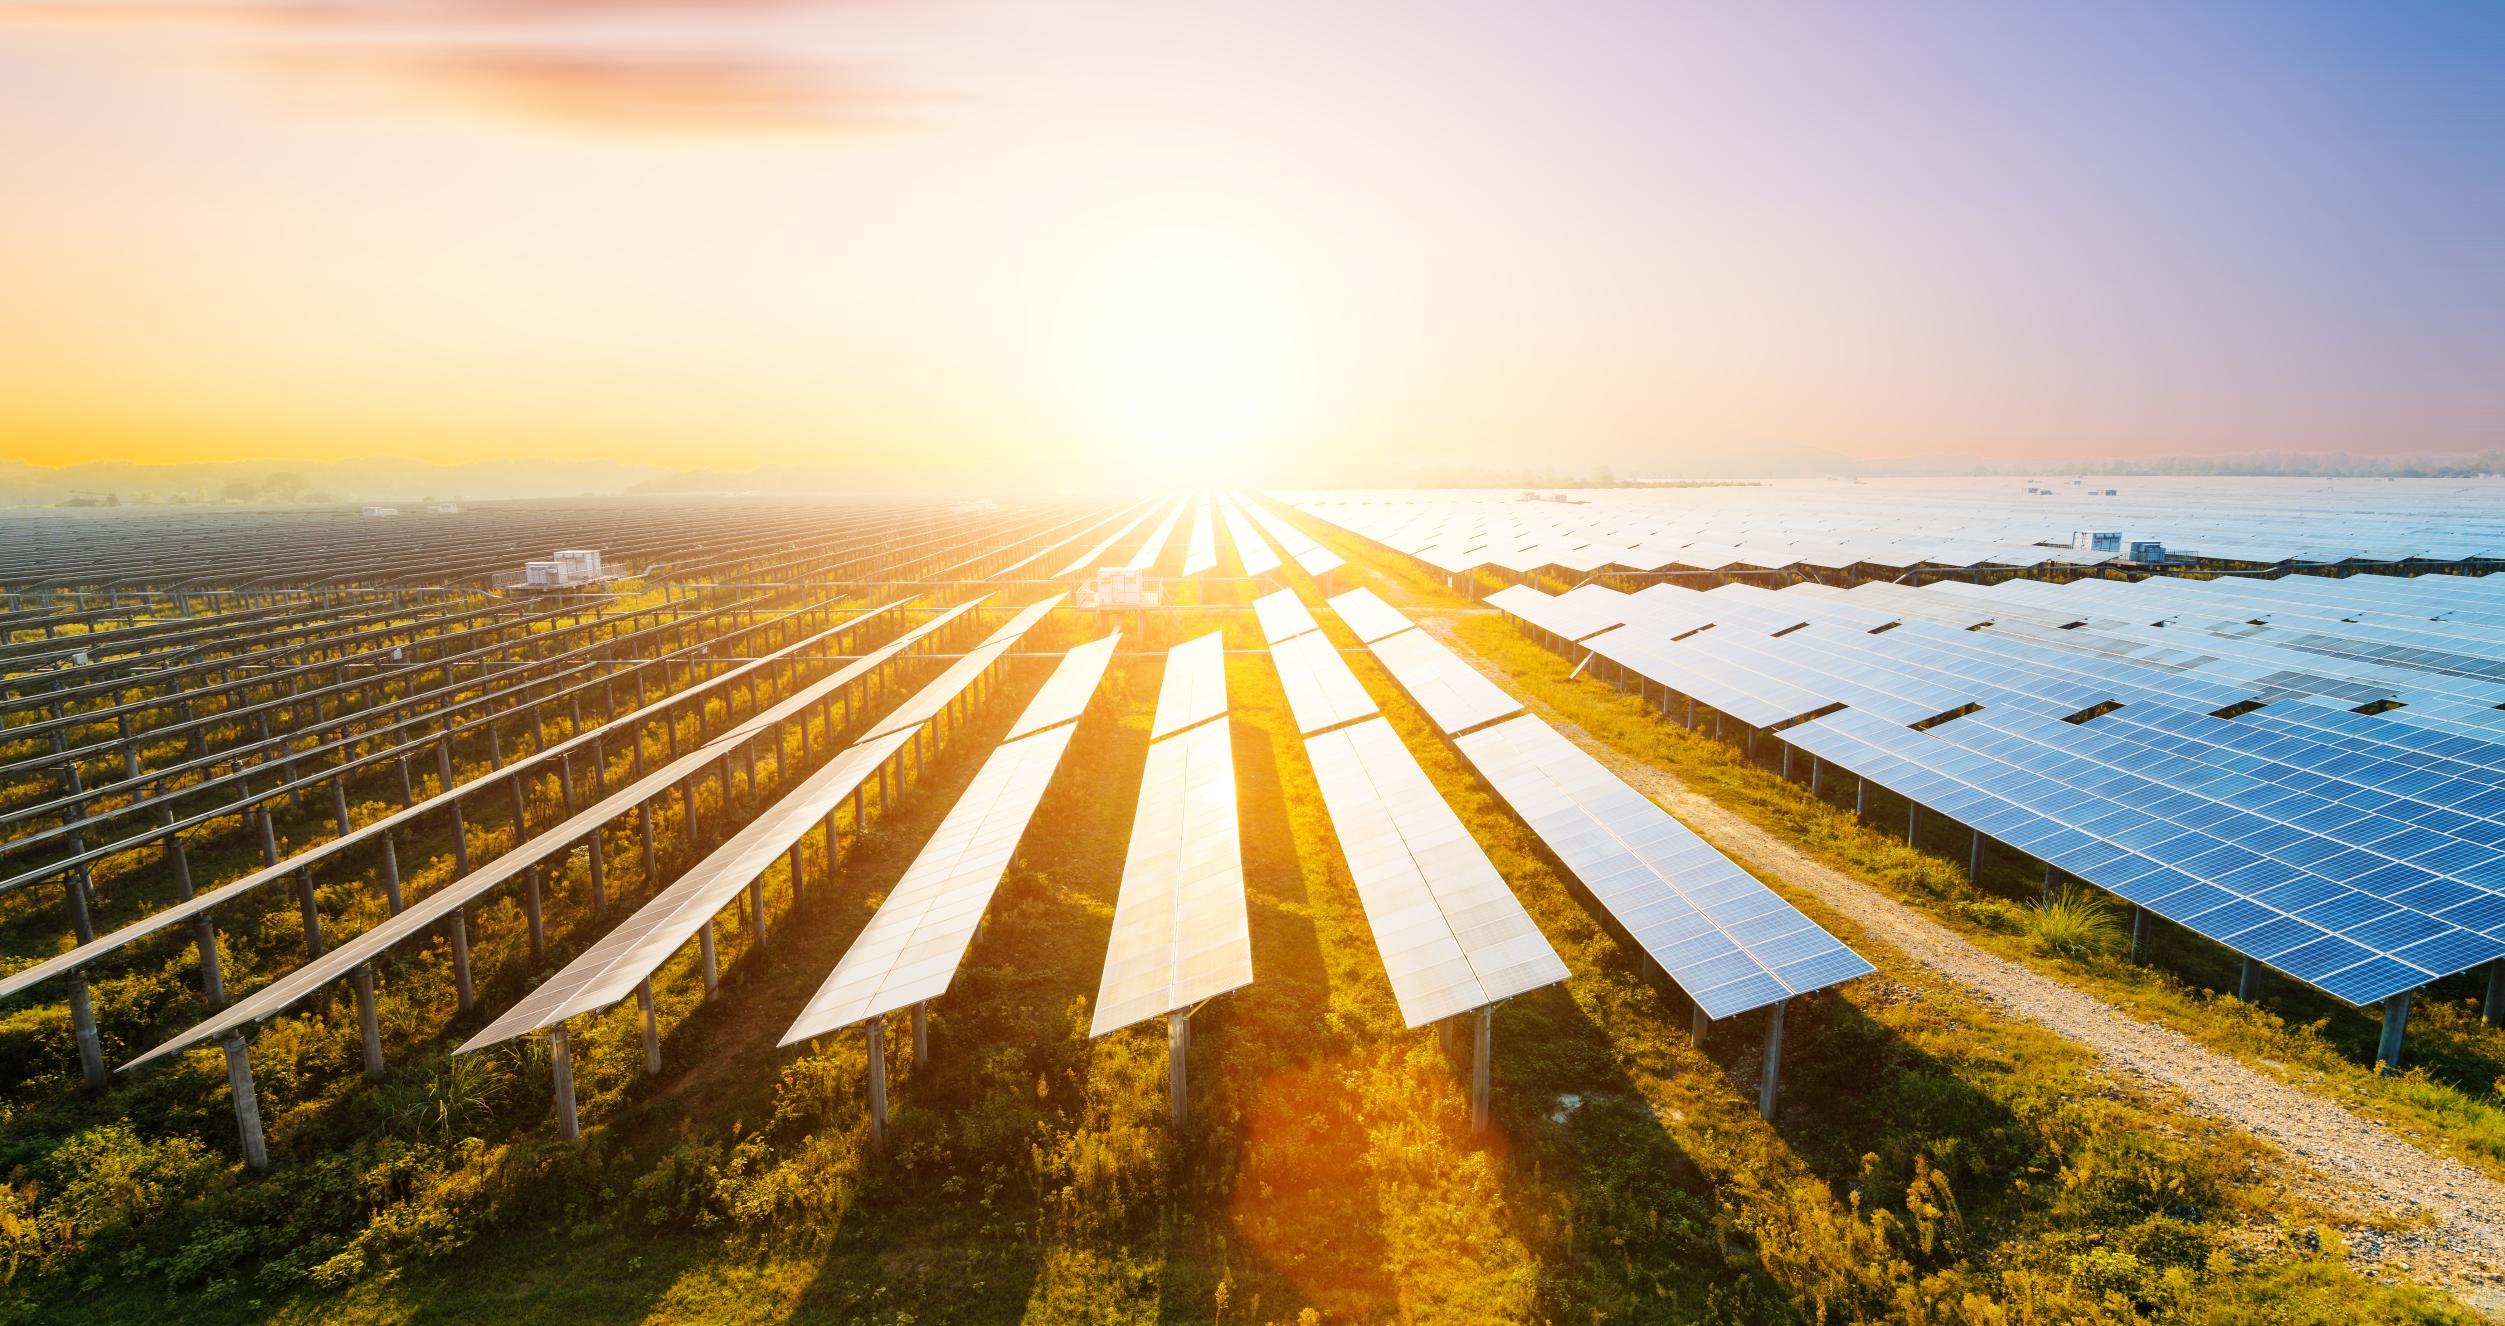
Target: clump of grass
2072, 923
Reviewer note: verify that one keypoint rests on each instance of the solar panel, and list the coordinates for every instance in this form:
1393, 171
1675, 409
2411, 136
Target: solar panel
1255, 554
926, 703
1194, 689
1094, 557
425, 913
1368, 615
1201, 554
1282, 615
1148, 553
1729, 941
629, 954
179, 912
1181, 933
913, 944
1454, 694
1321, 691
1451, 934
1064, 695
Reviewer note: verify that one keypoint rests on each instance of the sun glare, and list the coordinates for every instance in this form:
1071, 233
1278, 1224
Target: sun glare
1193, 383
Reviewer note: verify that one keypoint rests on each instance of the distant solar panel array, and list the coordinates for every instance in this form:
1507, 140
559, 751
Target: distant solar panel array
1899, 523
2309, 771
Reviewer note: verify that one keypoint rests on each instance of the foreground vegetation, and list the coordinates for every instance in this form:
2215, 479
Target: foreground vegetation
1933, 1160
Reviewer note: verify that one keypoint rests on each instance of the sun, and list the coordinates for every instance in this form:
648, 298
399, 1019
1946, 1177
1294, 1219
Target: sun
1193, 381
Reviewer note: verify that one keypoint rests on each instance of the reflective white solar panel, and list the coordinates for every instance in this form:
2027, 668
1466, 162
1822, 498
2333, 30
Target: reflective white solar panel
1064, 695
1146, 557
925, 704
1452, 693
1321, 691
1194, 689
1368, 615
60, 964
626, 956
1250, 548
910, 950
429, 911
1094, 557
1729, 941
1201, 554
1451, 933
1181, 932
1282, 615
1585, 610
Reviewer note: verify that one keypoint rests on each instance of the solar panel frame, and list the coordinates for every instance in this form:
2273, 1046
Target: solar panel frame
1321, 690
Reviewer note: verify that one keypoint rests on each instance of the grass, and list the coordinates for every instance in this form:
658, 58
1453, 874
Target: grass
1933, 1160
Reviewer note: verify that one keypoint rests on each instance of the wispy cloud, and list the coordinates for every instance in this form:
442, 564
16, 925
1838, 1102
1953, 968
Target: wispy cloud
737, 66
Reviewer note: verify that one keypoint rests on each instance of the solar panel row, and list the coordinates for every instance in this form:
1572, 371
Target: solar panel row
2111, 730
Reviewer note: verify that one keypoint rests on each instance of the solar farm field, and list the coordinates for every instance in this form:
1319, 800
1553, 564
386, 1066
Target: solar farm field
1243, 907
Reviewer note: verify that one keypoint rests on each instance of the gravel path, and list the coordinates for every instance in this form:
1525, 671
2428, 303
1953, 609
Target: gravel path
2349, 1163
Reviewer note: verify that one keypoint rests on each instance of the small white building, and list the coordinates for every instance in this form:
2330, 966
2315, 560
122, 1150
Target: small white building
2096, 540
379, 512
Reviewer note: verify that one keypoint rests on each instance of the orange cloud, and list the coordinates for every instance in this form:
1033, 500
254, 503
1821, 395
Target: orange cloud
712, 66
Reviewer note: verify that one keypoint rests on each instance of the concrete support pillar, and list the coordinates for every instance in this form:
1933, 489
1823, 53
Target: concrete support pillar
1178, 1050
2248, 980
921, 1032
269, 837
1481, 1063
561, 1067
704, 950
457, 925
652, 869
756, 912
247, 1107
1974, 859
83, 1030
652, 1026
1769, 1076
1697, 1024
878, 1083
369, 1026
2141, 934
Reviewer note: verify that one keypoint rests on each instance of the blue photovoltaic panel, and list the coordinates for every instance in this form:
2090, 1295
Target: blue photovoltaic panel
1729, 942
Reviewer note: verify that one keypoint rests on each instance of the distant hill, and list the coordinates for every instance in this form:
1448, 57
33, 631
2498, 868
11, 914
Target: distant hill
366, 478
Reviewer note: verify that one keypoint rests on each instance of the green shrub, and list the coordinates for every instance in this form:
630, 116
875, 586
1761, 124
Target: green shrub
2072, 923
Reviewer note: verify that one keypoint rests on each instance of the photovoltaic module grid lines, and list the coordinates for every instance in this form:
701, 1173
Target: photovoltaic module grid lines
1730, 942
2111, 730
1451, 933
1725, 938
910, 949
628, 955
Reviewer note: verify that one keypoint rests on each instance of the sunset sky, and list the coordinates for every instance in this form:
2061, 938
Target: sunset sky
989, 236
